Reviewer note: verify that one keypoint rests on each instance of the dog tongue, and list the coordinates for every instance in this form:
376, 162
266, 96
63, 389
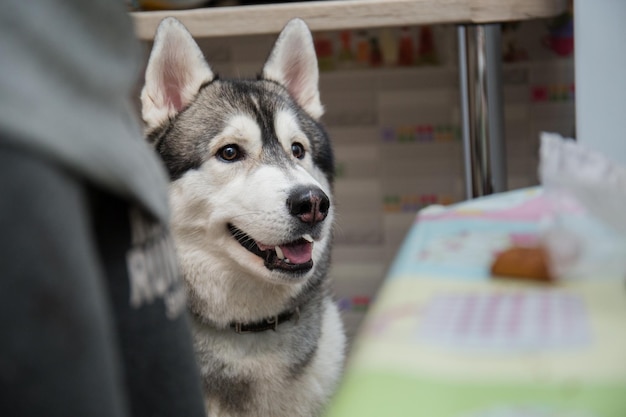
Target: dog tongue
298, 252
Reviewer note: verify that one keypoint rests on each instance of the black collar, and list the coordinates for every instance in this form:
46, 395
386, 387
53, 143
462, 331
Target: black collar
267, 324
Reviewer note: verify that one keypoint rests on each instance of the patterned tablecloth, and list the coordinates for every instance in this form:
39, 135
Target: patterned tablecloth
444, 339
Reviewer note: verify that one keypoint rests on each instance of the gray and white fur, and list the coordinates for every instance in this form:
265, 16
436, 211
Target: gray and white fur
251, 173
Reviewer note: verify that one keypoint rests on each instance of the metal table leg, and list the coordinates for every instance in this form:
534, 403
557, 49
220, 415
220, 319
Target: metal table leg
482, 115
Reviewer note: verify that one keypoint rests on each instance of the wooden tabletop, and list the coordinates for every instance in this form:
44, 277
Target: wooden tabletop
345, 14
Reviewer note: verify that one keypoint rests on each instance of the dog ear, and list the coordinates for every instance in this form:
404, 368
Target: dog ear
176, 70
293, 64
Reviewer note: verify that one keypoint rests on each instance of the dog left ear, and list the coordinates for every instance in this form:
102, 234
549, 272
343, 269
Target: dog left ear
293, 64
176, 70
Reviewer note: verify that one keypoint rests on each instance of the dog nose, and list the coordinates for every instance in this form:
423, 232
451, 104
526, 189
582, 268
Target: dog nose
309, 204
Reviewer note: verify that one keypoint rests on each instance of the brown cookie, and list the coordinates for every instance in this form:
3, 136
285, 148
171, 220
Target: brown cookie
530, 263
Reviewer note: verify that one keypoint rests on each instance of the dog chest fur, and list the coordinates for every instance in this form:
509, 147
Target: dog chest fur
246, 376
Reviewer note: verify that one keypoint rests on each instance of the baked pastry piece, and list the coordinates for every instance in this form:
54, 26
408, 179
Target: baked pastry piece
529, 263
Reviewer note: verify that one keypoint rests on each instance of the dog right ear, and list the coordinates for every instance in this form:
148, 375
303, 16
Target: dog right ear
176, 70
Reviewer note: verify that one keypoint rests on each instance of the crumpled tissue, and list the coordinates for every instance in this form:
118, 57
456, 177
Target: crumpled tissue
586, 234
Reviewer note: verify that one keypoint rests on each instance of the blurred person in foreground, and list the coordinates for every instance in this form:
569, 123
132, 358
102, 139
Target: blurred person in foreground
92, 310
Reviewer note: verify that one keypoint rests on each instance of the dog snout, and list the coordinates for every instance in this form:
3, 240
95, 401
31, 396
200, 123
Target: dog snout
309, 204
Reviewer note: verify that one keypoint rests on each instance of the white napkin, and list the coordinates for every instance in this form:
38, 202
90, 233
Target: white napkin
586, 235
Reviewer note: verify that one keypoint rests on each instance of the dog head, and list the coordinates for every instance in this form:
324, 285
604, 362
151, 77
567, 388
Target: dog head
251, 166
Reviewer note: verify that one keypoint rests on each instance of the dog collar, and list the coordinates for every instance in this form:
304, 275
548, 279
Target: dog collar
270, 323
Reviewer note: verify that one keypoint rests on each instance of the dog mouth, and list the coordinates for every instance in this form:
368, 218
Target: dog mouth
293, 256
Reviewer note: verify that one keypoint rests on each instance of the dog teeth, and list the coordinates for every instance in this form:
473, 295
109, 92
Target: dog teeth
308, 238
279, 253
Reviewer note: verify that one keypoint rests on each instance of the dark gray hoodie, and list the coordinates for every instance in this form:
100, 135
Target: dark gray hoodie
49, 59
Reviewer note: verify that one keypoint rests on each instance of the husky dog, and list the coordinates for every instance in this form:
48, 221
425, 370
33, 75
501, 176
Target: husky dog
252, 214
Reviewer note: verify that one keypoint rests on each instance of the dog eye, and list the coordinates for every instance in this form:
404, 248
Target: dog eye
230, 153
297, 150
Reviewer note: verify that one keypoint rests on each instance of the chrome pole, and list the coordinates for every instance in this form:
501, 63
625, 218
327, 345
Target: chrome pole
495, 100
466, 127
482, 115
